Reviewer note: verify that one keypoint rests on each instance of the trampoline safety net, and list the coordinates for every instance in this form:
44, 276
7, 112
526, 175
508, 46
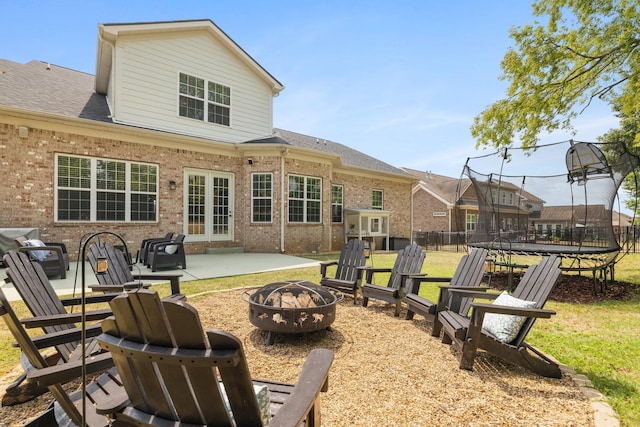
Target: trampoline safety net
557, 199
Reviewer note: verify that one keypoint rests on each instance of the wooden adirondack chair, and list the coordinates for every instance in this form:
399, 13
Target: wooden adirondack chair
408, 263
50, 314
47, 375
119, 275
468, 275
470, 333
347, 272
176, 375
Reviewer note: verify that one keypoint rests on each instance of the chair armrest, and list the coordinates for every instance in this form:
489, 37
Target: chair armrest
57, 244
161, 247
90, 299
450, 297
65, 336
324, 265
48, 247
418, 279
369, 272
70, 370
516, 311
65, 318
174, 279
313, 379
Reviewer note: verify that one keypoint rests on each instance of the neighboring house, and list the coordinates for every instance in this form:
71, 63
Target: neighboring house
175, 133
591, 221
442, 203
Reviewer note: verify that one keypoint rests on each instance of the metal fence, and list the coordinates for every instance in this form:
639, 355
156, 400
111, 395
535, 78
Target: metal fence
628, 238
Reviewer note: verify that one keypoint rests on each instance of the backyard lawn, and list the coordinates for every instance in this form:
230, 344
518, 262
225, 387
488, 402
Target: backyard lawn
599, 338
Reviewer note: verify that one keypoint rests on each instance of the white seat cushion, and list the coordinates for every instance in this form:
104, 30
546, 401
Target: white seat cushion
505, 327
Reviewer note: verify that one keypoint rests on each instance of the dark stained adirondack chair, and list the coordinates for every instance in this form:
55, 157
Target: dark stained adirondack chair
119, 275
468, 275
48, 375
53, 257
408, 263
177, 375
141, 256
347, 272
167, 254
50, 314
470, 333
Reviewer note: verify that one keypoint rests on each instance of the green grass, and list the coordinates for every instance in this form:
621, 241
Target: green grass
600, 340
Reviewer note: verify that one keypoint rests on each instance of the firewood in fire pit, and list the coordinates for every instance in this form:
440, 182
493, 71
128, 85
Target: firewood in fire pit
305, 300
289, 301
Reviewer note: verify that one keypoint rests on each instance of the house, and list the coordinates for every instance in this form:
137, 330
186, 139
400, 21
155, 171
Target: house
175, 133
446, 204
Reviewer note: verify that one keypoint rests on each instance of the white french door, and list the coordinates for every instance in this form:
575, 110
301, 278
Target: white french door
209, 205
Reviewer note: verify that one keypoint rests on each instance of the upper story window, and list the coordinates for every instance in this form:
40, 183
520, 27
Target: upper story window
261, 197
201, 99
377, 199
305, 199
337, 192
91, 189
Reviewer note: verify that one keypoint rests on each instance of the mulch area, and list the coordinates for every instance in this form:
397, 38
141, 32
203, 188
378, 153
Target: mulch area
390, 371
573, 288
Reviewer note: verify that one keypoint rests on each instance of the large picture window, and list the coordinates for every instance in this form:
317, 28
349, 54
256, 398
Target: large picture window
261, 197
337, 192
305, 199
91, 189
201, 99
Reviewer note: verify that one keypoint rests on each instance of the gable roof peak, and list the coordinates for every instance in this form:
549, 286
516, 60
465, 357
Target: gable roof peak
109, 33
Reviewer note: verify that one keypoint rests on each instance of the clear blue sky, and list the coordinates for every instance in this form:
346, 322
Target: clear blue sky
399, 80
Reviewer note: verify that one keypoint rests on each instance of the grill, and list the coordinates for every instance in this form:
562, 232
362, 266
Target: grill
292, 307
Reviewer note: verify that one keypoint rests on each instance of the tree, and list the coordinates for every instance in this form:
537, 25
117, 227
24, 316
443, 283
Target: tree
586, 50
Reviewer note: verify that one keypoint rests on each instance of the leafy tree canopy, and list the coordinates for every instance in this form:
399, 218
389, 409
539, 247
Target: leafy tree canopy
585, 50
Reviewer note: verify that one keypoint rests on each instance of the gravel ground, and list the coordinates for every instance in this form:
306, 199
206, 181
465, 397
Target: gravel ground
389, 371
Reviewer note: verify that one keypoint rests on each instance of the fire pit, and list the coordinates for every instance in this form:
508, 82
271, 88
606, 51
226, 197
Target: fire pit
292, 307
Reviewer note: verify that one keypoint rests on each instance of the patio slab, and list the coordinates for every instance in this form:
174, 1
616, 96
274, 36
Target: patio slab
202, 266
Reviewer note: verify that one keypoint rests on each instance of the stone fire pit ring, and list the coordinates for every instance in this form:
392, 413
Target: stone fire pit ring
292, 307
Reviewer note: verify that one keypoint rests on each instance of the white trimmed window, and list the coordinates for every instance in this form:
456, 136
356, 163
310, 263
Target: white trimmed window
472, 220
337, 193
305, 199
92, 189
377, 199
204, 100
261, 197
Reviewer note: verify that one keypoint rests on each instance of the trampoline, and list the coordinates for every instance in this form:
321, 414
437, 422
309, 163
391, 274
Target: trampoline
556, 199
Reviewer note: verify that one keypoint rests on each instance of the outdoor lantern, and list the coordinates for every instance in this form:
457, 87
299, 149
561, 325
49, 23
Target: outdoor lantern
102, 265
172, 185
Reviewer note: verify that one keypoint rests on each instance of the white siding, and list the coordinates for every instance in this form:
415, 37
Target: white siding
146, 86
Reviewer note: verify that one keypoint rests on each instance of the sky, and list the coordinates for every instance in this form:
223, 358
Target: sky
398, 80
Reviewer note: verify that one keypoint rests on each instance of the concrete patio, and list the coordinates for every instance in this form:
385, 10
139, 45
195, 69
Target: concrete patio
204, 266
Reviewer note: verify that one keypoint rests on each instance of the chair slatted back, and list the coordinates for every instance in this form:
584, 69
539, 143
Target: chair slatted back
170, 369
33, 355
536, 285
408, 261
351, 257
31, 282
118, 272
469, 272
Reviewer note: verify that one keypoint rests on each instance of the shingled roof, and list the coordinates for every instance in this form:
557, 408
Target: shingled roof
39, 86
349, 156
443, 187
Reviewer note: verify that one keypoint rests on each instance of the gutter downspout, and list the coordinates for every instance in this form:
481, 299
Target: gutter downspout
282, 193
